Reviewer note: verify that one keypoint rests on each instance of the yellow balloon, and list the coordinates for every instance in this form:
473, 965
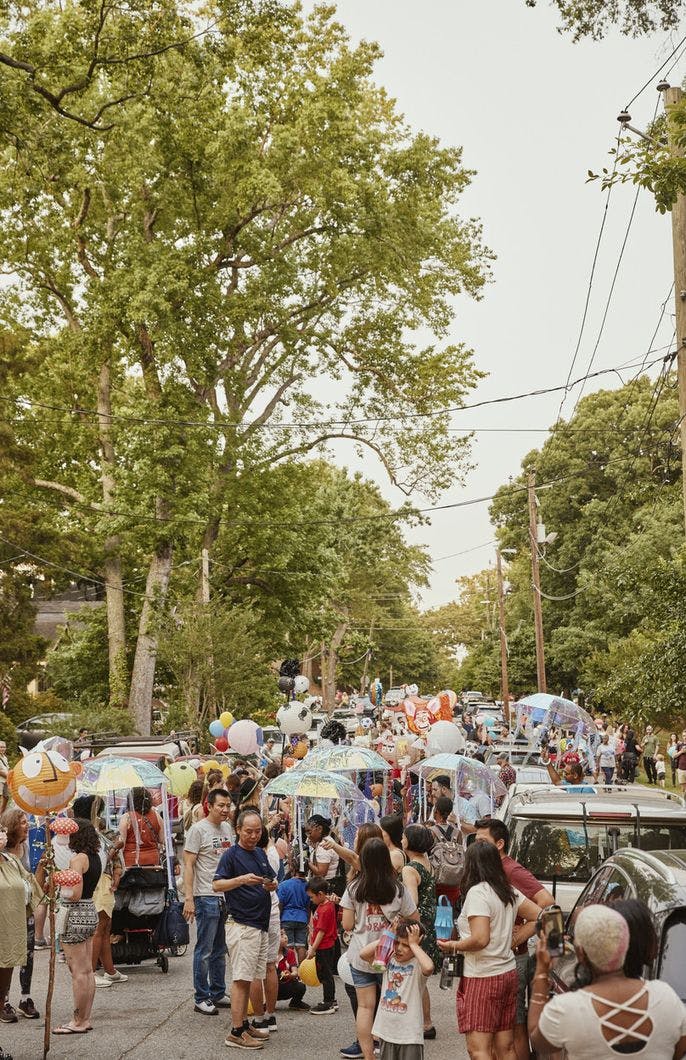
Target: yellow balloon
210, 764
308, 972
180, 776
226, 718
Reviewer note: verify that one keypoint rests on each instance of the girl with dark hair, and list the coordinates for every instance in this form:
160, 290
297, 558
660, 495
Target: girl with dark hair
487, 994
323, 858
392, 830
630, 756
642, 949
419, 881
79, 924
371, 903
141, 830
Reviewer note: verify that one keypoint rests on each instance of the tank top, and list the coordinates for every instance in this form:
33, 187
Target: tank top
91, 876
145, 851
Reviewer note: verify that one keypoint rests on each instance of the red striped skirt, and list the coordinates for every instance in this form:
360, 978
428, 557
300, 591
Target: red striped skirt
487, 1004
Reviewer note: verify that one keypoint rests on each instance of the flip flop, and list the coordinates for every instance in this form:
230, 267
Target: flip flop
70, 1030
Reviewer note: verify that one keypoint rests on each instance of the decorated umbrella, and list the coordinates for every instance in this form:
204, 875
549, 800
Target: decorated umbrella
319, 791
344, 760
564, 713
468, 775
356, 760
111, 773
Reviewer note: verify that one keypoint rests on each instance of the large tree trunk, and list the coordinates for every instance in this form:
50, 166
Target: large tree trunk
145, 659
330, 665
114, 588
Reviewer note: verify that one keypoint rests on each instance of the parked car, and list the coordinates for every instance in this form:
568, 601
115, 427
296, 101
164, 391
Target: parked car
349, 720
656, 877
563, 836
37, 728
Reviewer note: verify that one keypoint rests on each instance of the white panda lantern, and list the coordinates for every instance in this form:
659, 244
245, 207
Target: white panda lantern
294, 718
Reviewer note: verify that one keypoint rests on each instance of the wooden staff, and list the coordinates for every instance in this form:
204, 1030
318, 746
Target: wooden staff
50, 891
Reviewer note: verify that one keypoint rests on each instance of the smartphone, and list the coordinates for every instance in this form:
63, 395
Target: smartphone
553, 929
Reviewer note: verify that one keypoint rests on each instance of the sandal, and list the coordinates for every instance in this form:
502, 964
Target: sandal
71, 1030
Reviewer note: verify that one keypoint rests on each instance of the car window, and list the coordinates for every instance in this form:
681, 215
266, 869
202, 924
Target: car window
572, 850
672, 963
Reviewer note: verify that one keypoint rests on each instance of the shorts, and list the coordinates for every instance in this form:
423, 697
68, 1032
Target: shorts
248, 948
80, 922
273, 939
524, 964
681, 776
391, 1051
296, 932
487, 1004
365, 978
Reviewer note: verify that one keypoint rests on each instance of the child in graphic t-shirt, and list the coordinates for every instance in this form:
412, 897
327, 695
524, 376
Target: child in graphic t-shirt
323, 936
399, 1022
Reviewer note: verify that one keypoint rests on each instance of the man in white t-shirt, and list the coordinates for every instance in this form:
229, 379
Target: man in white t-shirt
206, 841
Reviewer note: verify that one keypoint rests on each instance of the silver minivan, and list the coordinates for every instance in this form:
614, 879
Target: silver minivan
563, 835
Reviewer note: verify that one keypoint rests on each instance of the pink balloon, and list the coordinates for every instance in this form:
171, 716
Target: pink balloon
243, 737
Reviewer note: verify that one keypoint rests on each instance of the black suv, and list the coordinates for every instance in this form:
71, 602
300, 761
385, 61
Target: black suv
658, 878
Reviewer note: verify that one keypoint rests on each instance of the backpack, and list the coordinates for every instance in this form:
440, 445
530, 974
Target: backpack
447, 856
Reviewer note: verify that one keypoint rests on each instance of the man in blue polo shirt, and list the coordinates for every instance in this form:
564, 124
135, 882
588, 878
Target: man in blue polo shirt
245, 878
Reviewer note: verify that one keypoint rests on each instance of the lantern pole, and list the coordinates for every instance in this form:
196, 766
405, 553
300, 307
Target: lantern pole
50, 891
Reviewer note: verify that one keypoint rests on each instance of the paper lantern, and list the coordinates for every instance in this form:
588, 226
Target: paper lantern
444, 738
209, 765
300, 750
63, 826
216, 728
308, 972
226, 718
180, 775
412, 690
286, 684
221, 743
243, 737
345, 972
43, 781
67, 878
294, 718
301, 685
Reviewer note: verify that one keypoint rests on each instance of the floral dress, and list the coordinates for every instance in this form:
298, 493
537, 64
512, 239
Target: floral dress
426, 906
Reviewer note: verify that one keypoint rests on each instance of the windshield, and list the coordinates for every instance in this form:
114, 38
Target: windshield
566, 850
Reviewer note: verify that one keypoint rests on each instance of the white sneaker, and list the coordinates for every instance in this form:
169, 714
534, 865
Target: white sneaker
118, 977
101, 980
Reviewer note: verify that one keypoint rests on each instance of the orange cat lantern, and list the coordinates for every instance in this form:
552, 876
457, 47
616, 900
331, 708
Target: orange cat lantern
43, 782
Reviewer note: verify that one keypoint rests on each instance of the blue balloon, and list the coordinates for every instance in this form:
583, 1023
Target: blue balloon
216, 728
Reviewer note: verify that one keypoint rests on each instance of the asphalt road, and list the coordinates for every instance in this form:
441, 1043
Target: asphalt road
152, 1017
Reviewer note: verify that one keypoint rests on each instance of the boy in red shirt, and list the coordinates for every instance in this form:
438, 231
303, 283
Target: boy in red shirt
322, 944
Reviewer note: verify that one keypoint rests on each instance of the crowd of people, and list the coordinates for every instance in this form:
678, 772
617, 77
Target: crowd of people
274, 911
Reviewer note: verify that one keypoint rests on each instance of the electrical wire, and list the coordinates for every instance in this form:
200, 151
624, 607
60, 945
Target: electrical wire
589, 286
658, 71
319, 424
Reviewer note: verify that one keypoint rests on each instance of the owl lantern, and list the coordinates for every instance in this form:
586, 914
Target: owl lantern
43, 782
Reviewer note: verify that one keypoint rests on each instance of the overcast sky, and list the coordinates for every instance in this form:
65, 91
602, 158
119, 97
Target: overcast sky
533, 112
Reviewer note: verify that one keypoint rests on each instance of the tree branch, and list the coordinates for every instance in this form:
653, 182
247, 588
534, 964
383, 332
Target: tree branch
69, 491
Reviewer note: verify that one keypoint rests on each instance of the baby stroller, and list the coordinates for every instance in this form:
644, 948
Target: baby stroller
139, 902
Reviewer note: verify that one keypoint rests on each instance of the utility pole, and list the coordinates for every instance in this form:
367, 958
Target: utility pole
205, 577
504, 683
672, 96
536, 583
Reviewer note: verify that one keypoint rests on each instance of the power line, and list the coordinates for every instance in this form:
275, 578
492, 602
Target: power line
319, 424
658, 71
